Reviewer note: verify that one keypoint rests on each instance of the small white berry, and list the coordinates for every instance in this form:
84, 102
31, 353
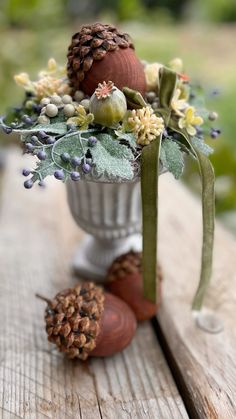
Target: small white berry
213, 116
42, 119
66, 99
45, 101
85, 104
51, 110
79, 95
29, 104
56, 100
69, 110
43, 111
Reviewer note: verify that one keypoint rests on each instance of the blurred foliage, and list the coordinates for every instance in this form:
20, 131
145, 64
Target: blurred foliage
32, 31
213, 10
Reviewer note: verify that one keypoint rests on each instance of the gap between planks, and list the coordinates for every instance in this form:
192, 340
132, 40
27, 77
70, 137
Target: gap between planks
204, 365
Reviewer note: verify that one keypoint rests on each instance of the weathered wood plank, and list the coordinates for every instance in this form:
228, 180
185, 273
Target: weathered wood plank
206, 363
37, 241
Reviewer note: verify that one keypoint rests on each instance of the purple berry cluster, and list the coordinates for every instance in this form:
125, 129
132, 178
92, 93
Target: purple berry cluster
67, 164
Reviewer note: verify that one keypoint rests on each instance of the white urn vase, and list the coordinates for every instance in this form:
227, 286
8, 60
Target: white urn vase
110, 214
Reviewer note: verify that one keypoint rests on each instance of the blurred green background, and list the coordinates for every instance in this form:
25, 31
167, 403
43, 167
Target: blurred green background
201, 32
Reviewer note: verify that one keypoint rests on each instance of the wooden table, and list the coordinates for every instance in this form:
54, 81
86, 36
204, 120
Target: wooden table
172, 369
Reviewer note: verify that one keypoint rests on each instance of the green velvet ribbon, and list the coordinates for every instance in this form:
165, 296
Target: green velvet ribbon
149, 188
208, 215
208, 218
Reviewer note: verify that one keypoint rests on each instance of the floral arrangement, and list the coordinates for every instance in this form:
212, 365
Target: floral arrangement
111, 116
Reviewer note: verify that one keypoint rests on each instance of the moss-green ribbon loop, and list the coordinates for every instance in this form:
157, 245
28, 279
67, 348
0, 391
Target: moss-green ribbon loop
168, 80
149, 188
208, 216
134, 98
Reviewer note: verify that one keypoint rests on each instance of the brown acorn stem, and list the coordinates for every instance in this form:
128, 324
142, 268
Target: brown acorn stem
41, 297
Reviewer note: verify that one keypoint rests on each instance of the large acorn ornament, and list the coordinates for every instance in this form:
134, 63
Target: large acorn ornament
124, 279
86, 321
101, 53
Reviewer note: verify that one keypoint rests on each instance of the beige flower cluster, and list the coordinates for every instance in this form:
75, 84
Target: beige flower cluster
51, 81
145, 125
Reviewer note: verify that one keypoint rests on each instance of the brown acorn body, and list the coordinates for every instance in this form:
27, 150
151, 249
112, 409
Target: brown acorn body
102, 53
84, 321
121, 66
125, 281
117, 327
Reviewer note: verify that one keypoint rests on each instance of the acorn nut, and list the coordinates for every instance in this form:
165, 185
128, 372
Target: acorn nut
86, 321
124, 279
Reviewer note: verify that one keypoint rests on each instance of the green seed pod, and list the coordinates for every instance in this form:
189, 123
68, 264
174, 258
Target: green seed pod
108, 104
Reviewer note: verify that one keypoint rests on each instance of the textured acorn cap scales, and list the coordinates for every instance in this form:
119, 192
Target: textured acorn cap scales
124, 279
86, 321
99, 53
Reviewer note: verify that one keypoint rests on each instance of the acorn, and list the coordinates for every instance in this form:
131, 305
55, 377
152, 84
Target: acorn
86, 321
124, 279
99, 53
108, 104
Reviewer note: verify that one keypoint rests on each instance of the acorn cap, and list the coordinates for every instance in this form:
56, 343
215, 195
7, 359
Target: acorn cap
88, 62
124, 279
86, 321
129, 263
73, 317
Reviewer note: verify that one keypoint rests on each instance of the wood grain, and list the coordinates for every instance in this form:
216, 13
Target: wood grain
205, 364
37, 240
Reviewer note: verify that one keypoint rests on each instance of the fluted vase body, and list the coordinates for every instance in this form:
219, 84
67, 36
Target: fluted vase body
110, 214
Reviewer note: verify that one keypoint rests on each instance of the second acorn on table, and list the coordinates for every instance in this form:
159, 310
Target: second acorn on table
124, 279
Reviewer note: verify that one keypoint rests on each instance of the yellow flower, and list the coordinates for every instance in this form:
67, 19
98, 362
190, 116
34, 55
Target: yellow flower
49, 85
82, 119
22, 79
53, 69
145, 125
189, 120
51, 81
176, 65
177, 104
152, 76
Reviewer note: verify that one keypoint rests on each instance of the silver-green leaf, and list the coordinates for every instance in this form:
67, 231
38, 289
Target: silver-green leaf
200, 145
112, 159
172, 157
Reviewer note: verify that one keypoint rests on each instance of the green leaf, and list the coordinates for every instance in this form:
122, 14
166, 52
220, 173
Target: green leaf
129, 137
208, 213
59, 128
172, 157
149, 189
72, 144
111, 158
44, 168
200, 145
168, 80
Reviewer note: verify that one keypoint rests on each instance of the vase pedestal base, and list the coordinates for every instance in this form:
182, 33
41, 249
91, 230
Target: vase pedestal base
94, 256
